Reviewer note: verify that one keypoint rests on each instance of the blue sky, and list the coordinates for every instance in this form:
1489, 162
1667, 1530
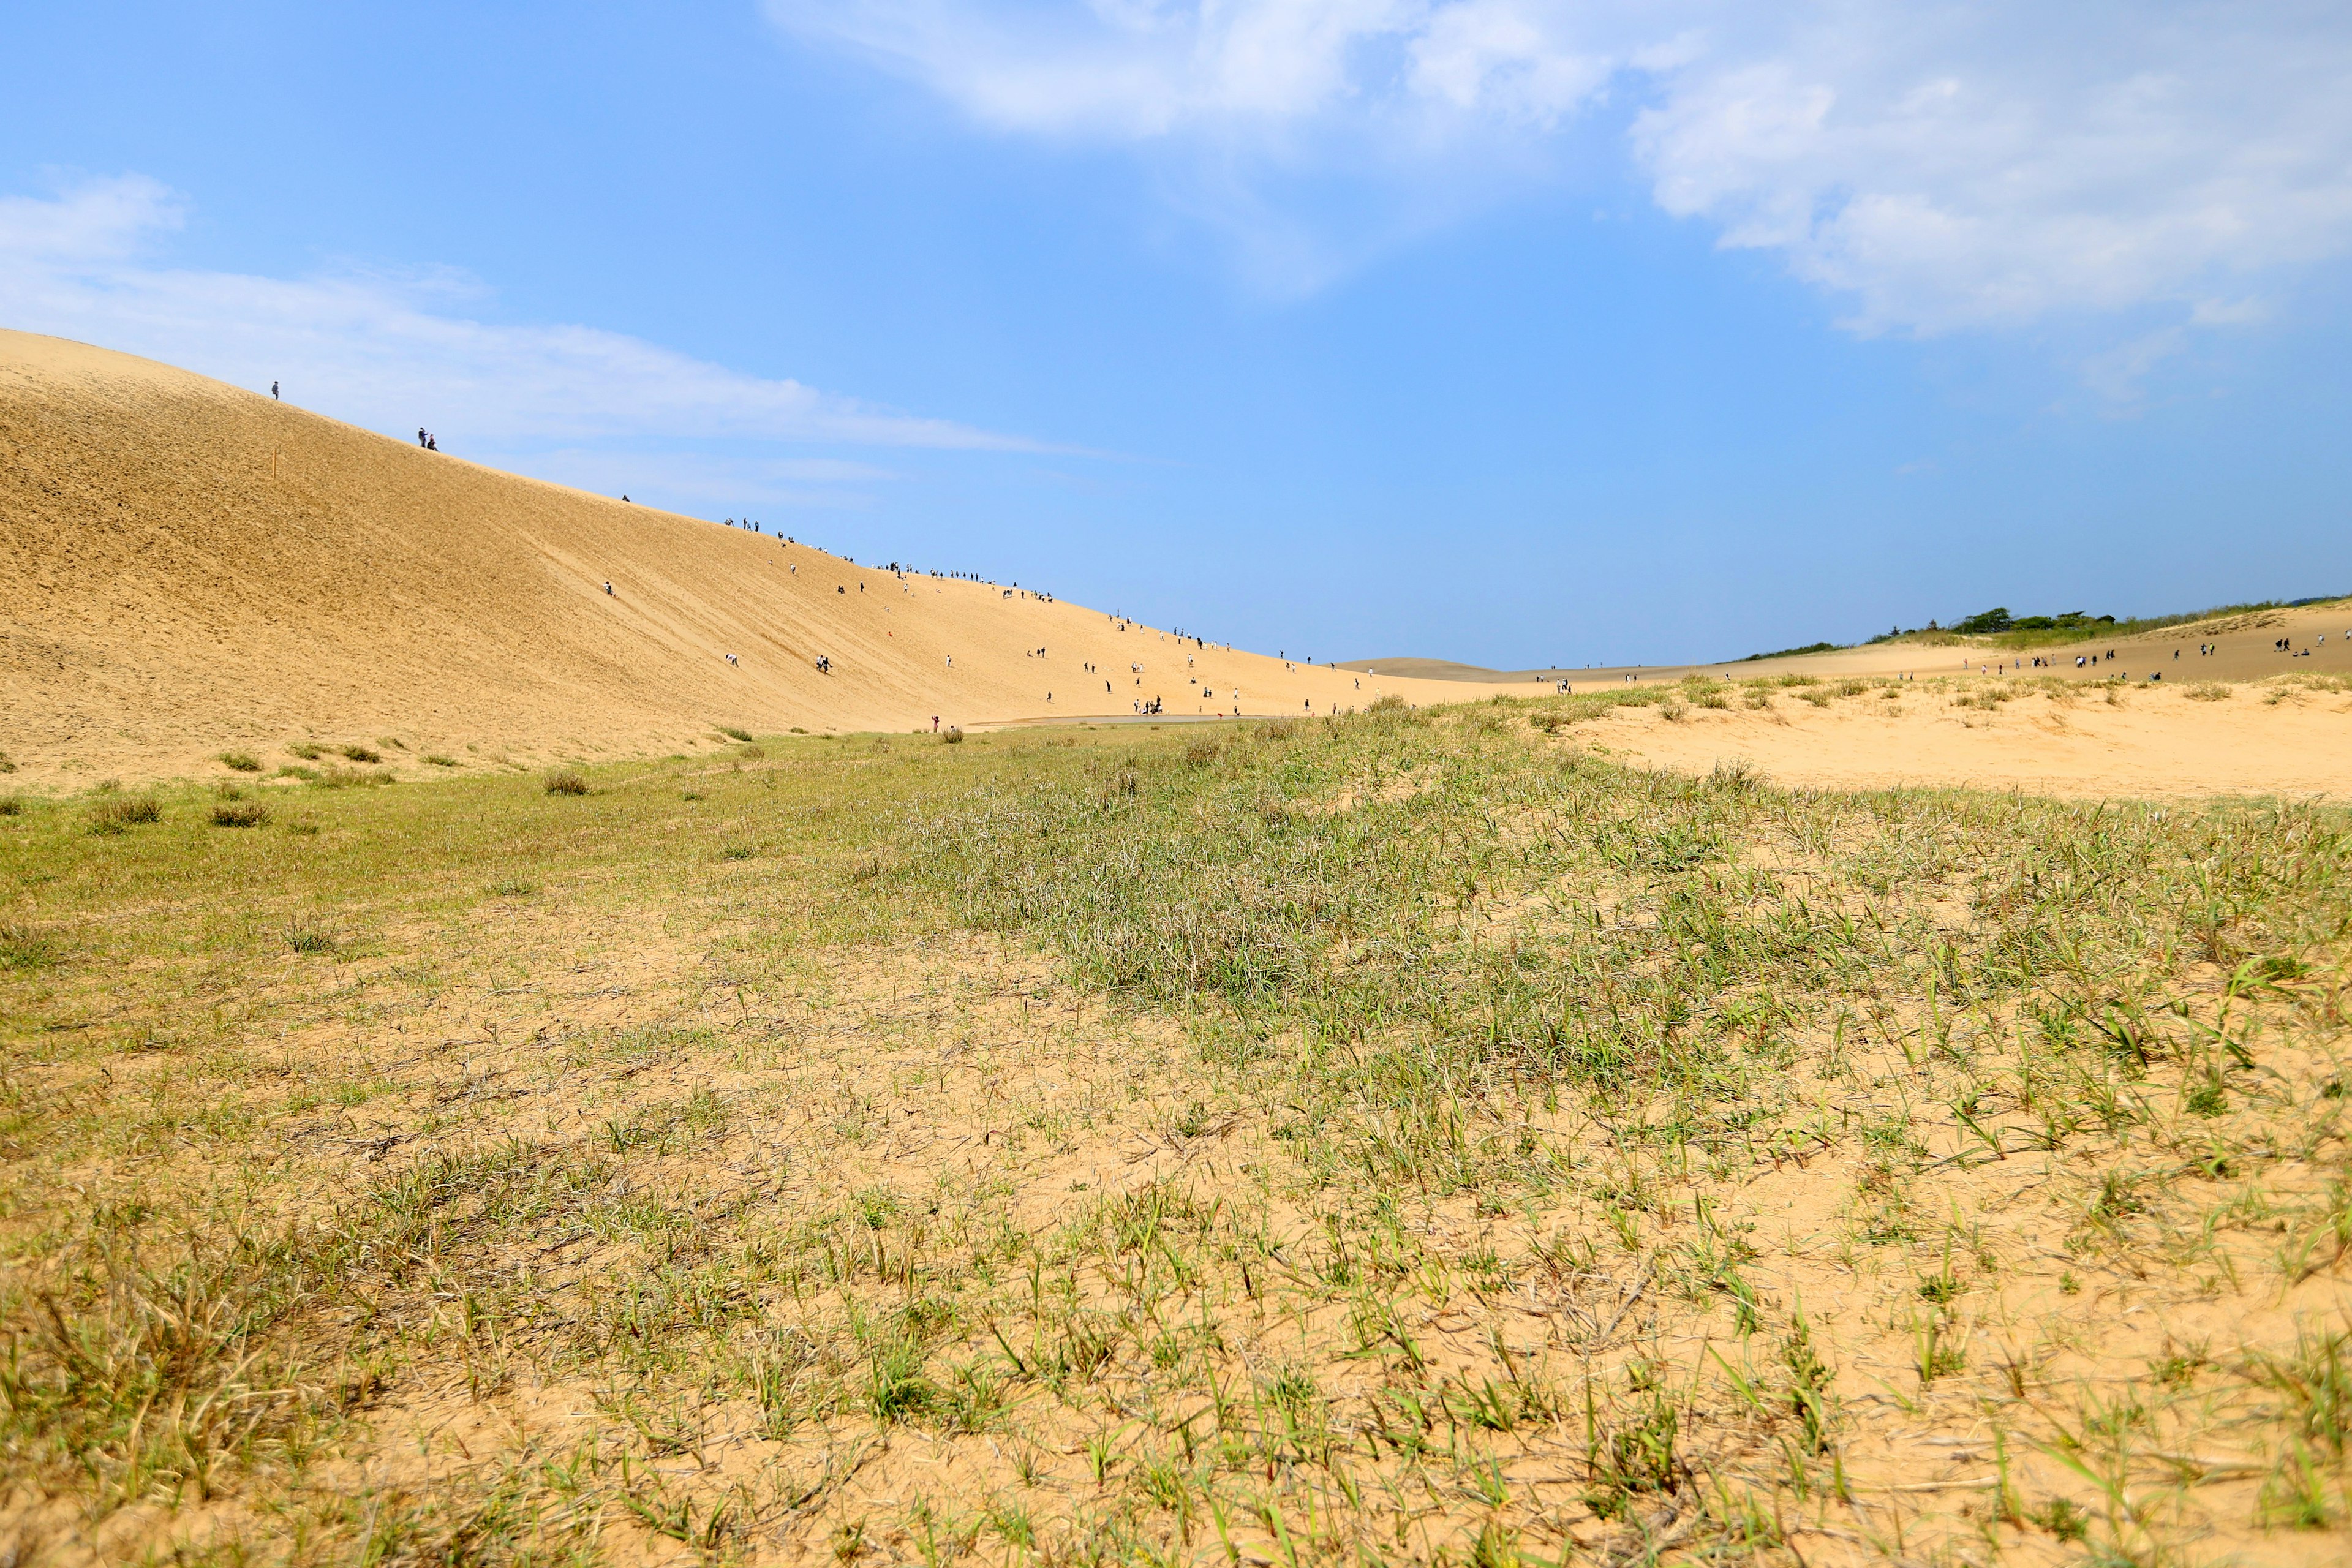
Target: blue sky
1508, 331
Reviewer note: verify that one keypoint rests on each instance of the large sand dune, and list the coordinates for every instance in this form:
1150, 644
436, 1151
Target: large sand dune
190, 567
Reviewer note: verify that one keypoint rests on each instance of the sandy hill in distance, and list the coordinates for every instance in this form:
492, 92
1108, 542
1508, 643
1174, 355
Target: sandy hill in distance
190, 567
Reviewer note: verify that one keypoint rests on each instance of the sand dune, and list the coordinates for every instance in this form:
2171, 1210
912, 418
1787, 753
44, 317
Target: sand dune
190, 567
2241, 648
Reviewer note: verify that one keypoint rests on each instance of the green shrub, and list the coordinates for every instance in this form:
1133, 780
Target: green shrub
732, 733
952, 736
360, 754
438, 760
12, 806
564, 781
240, 814
243, 761
304, 749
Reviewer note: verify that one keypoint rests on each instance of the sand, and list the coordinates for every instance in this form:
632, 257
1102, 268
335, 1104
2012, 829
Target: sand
2147, 743
189, 568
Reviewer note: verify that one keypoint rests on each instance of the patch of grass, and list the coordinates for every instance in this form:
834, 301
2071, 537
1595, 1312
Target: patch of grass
732, 733
952, 736
306, 750
2209, 691
113, 812
564, 781
359, 753
240, 814
512, 887
243, 761
12, 806
24, 946
334, 777
436, 758
312, 934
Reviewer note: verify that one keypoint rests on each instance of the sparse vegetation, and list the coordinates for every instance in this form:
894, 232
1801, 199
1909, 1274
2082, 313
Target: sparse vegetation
732, 733
242, 762
359, 753
436, 758
565, 781
240, 814
1394, 1137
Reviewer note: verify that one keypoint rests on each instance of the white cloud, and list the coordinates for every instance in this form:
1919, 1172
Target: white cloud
390, 351
1941, 166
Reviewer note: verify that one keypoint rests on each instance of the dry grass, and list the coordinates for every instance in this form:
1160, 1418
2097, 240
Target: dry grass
1375, 1139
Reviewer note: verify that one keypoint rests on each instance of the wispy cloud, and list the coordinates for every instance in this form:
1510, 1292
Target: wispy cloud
392, 351
1939, 166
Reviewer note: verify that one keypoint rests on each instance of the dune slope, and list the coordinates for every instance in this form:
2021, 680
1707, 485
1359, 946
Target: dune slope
190, 567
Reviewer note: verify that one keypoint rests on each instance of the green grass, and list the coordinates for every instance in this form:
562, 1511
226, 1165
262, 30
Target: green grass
1375, 1137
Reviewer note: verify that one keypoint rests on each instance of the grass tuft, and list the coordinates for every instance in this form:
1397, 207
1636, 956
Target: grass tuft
115, 812
240, 814
312, 934
243, 761
24, 946
564, 781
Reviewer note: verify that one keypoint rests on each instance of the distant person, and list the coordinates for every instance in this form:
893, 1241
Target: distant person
625, 498
432, 443
420, 434
273, 392
608, 588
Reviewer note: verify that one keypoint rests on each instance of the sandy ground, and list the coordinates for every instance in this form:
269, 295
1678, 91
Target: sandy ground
186, 567
2149, 743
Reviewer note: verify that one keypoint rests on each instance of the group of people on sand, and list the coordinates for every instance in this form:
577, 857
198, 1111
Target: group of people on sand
426, 440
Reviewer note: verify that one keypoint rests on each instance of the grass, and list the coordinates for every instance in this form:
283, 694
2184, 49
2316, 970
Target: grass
241, 762
1393, 1136
564, 781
